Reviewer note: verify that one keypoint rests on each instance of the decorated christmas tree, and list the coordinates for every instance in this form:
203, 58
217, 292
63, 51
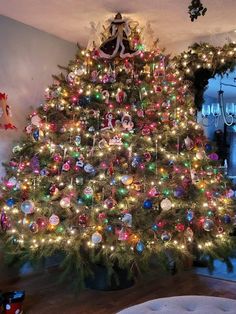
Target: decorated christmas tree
114, 168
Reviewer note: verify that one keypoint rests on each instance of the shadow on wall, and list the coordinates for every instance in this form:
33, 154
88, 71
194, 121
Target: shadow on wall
28, 58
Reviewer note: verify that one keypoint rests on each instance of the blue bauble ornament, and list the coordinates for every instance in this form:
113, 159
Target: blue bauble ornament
208, 147
113, 181
136, 161
36, 134
27, 207
10, 202
109, 228
227, 219
189, 215
147, 204
140, 247
179, 192
154, 227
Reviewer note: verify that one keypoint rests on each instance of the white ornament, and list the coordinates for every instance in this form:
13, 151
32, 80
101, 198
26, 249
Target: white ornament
65, 202
166, 204
12, 181
79, 71
127, 219
36, 120
96, 238
88, 191
194, 176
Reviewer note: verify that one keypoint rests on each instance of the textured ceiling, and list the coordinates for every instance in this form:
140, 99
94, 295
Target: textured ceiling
70, 19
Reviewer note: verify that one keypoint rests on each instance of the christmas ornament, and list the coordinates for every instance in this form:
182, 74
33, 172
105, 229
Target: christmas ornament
79, 163
5, 113
136, 161
27, 207
200, 154
65, 202
208, 225
188, 143
189, 215
140, 247
189, 234
66, 166
118, 44
123, 235
89, 168
226, 219
147, 204
127, 219
109, 228
71, 77
110, 202
126, 122
79, 180
4, 222
88, 191
54, 220
36, 120
108, 122
34, 164
179, 192
96, 238
94, 76
11, 202
42, 223
11, 182
194, 176
165, 236
116, 140
33, 227
180, 227
83, 220
78, 140
153, 192
80, 71
44, 172
213, 156
127, 179
106, 95
121, 96
36, 134
166, 204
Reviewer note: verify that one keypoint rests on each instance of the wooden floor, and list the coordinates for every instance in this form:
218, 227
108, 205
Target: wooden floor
45, 296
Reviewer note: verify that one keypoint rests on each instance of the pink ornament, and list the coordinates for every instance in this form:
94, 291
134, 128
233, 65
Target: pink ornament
123, 235
153, 192
66, 166
54, 220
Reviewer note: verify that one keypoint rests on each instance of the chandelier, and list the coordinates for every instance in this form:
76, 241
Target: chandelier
226, 110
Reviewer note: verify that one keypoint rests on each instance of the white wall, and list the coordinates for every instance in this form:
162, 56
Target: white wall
28, 58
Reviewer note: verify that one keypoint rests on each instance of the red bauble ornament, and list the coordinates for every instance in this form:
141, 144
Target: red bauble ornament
180, 227
83, 220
